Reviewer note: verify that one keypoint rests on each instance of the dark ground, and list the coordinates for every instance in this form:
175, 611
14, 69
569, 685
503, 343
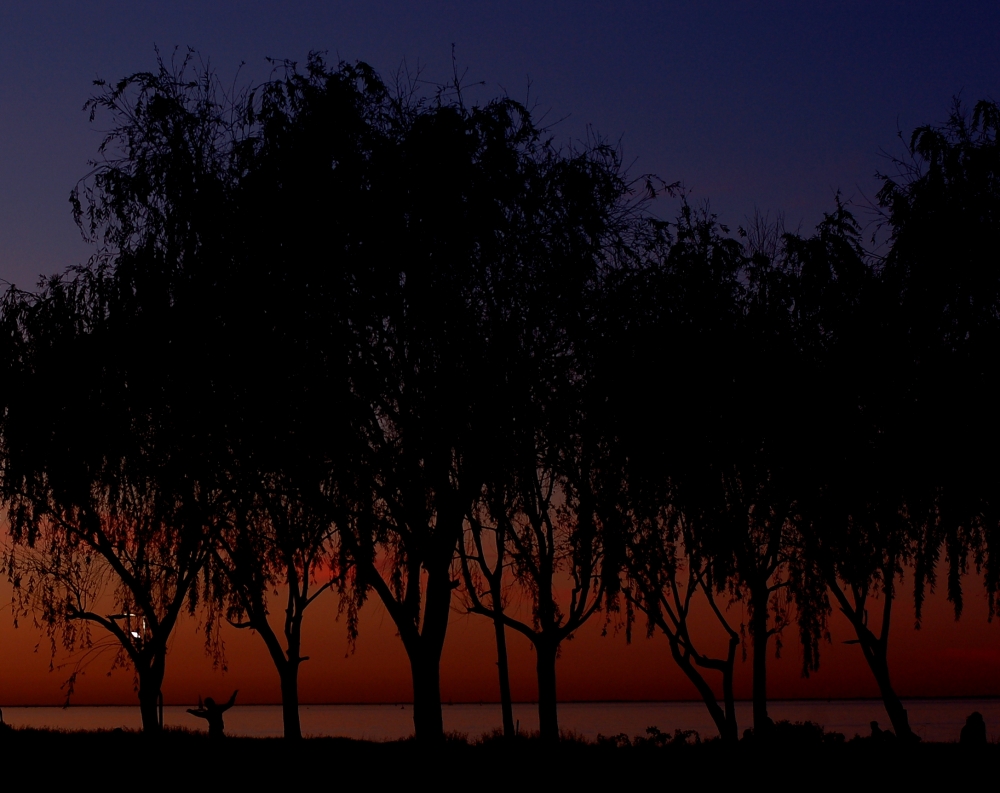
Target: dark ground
48, 760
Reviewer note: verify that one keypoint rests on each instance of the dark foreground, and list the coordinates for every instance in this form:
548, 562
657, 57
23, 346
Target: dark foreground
48, 760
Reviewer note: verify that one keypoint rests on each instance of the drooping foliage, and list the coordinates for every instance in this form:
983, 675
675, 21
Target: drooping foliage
942, 205
110, 465
344, 334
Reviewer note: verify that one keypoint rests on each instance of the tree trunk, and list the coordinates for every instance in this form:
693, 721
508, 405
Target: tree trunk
875, 651
545, 664
427, 721
758, 630
875, 654
150, 683
704, 689
893, 706
289, 674
286, 663
506, 706
425, 657
732, 733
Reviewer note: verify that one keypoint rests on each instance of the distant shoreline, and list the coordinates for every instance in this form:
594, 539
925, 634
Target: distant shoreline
485, 702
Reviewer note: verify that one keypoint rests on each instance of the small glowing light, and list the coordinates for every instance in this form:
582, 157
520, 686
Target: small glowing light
135, 634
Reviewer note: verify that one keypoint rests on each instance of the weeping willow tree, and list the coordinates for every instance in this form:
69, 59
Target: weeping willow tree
111, 416
108, 536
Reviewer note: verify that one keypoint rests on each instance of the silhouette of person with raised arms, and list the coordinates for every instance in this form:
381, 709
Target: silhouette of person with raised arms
974, 731
212, 713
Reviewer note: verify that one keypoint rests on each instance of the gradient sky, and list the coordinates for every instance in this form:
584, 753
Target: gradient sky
768, 104
751, 104
943, 658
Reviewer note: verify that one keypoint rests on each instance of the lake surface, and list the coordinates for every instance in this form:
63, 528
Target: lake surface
933, 719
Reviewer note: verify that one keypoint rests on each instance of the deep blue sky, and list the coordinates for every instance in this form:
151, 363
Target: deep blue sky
768, 104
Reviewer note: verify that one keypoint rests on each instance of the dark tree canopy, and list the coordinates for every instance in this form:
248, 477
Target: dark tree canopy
345, 333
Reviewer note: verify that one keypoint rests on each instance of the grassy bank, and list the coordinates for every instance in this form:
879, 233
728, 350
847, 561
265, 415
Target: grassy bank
181, 757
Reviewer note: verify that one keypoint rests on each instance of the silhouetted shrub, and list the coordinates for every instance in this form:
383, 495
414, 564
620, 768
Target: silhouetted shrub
654, 737
615, 741
798, 731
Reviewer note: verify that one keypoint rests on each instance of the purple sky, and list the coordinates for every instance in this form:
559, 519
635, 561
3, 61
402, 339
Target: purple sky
750, 104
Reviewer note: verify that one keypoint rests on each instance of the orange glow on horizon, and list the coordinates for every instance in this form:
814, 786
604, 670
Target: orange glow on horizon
944, 658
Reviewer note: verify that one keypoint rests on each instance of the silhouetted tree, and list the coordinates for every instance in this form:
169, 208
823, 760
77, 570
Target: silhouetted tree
570, 221
106, 530
281, 373
343, 334
663, 317
862, 552
553, 542
758, 467
854, 531
483, 557
715, 443
280, 540
405, 197
941, 205
408, 249
666, 576
111, 428
423, 216
908, 359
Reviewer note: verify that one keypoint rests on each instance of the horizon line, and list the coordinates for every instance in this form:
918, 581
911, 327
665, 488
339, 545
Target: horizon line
404, 703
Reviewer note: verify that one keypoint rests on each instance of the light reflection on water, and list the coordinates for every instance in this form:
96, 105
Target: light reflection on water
933, 719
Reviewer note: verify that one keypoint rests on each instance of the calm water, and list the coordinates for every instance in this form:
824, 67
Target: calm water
934, 720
